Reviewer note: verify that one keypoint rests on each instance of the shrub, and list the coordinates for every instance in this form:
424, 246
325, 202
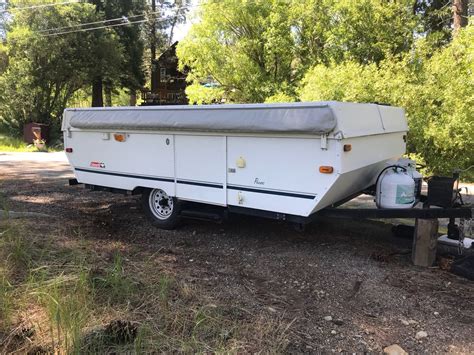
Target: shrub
436, 90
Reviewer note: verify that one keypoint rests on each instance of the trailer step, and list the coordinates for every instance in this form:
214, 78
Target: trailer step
202, 215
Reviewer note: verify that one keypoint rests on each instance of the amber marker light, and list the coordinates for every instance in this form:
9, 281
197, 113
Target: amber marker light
347, 147
120, 137
326, 169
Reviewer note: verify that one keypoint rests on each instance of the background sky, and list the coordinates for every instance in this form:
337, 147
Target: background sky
182, 29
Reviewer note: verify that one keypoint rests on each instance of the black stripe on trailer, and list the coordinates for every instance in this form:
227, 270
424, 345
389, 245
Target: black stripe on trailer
271, 192
203, 184
154, 178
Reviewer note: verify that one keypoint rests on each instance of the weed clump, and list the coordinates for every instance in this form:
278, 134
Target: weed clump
112, 282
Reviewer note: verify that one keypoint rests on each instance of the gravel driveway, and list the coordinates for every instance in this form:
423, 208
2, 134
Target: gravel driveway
341, 285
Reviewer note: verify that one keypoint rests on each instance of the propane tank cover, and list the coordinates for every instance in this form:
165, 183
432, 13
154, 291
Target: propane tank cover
396, 189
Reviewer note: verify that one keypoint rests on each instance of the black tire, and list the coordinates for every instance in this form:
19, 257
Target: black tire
163, 211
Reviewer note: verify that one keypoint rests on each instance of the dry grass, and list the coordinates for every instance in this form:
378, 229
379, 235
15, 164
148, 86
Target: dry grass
67, 299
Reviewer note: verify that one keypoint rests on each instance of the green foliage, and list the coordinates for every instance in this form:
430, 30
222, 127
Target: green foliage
243, 45
280, 97
199, 94
8, 144
3, 59
44, 72
449, 111
437, 91
436, 17
257, 49
348, 81
131, 74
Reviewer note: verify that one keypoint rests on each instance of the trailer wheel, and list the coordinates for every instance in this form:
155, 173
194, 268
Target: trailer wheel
162, 209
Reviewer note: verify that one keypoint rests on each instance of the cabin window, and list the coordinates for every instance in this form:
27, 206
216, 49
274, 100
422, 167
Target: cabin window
163, 75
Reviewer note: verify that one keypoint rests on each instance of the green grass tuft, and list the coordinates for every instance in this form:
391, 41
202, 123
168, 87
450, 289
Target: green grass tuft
9, 144
113, 282
6, 299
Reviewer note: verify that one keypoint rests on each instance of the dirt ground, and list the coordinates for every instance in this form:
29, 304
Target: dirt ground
356, 272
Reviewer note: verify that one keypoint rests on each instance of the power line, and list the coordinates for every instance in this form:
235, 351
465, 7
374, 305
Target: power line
107, 26
123, 17
39, 6
41, 33
94, 28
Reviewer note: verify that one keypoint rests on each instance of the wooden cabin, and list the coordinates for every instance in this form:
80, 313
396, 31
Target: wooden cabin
168, 84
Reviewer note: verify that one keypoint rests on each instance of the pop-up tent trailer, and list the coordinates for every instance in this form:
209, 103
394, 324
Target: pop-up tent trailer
285, 161
290, 159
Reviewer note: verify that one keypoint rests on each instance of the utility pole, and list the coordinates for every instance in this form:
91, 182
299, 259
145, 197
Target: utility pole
460, 8
153, 47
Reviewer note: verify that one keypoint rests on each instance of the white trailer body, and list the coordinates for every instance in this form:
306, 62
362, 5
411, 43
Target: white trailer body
264, 157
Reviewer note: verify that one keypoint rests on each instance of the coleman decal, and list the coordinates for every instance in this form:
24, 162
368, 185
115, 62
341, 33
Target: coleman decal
96, 164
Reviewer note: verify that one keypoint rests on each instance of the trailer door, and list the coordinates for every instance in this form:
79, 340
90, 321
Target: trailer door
200, 168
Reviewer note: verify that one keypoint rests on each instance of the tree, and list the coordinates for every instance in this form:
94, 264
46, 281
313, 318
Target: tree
435, 17
435, 87
460, 8
131, 67
257, 49
367, 31
133, 39
45, 71
244, 46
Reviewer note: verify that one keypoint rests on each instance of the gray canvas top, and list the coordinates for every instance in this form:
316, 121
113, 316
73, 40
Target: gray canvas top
309, 118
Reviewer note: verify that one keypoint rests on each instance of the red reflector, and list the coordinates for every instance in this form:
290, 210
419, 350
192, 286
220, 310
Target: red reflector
68, 150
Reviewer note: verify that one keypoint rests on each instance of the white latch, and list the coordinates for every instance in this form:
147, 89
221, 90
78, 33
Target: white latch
324, 141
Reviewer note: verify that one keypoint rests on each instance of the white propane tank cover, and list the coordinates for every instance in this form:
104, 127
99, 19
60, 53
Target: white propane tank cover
396, 189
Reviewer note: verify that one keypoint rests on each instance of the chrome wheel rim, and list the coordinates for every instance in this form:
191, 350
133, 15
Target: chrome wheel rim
161, 205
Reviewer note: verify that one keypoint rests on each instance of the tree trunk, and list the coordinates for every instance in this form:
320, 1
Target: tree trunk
460, 8
133, 97
108, 95
153, 46
97, 95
